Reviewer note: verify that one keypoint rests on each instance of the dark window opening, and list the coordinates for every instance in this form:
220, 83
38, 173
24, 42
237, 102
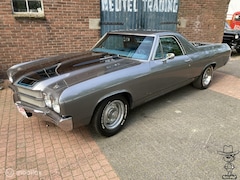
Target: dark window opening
27, 6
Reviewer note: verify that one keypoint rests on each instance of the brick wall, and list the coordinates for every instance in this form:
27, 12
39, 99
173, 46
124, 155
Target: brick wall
202, 20
65, 28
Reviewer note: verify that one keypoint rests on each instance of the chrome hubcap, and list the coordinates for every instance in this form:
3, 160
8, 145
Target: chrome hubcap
113, 114
207, 76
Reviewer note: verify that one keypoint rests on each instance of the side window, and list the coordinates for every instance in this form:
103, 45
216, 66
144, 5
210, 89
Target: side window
170, 45
28, 8
159, 52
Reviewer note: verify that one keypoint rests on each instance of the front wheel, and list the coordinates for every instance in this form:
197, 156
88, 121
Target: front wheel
110, 116
238, 50
205, 79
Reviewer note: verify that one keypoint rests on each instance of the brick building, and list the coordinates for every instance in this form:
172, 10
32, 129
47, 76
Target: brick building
61, 26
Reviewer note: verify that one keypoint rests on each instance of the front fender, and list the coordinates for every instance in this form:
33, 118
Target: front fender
80, 103
117, 92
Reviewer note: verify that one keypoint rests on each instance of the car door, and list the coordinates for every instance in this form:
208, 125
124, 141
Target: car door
168, 73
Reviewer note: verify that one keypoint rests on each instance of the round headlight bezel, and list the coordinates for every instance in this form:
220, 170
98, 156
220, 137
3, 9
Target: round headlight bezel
52, 102
236, 36
48, 100
56, 106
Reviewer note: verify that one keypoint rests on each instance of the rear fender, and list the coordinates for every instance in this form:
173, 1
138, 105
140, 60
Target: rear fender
213, 64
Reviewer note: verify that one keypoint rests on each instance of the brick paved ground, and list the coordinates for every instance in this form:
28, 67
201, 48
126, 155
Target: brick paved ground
227, 79
30, 150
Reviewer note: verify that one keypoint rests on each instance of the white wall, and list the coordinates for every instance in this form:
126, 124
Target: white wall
234, 6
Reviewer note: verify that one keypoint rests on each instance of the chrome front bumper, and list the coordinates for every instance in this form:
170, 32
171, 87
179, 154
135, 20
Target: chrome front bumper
66, 124
38, 108
45, 114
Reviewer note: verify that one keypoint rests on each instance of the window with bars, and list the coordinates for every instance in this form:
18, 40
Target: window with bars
27, 7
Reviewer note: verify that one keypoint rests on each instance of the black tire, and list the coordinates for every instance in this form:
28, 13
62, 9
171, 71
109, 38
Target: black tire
205, 79
110, 115
238, 50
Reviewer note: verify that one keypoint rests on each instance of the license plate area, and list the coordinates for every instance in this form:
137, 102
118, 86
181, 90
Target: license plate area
22, 111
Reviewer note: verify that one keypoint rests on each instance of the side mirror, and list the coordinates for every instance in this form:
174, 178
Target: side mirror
169, 56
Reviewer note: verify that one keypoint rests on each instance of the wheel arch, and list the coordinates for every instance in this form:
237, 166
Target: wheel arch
127, 95
201, 82
213, 64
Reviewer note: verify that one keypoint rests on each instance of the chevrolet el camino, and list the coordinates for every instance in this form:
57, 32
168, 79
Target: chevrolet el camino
123, 70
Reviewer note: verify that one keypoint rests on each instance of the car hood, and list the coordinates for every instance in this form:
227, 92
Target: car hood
66, 70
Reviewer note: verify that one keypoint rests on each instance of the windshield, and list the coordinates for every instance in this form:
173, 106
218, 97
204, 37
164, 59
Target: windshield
131, 46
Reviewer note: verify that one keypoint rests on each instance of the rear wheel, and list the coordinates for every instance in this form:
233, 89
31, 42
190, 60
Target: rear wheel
205, 79
110, 115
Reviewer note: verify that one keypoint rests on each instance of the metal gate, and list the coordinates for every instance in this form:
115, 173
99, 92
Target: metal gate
138, 14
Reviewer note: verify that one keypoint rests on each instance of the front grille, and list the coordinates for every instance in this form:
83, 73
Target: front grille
35, 98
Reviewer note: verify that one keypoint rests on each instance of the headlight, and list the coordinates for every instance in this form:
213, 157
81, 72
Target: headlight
48, 100
236, 36
52, 103
56, 106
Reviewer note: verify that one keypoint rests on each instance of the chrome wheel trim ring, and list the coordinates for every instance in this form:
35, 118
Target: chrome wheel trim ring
207, 76
113, 114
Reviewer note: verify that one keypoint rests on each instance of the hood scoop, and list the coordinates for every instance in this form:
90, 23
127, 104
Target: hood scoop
38, 76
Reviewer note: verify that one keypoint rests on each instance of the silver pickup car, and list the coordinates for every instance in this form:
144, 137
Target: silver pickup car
123, 70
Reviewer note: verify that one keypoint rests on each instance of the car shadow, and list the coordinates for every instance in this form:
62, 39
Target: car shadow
159, 103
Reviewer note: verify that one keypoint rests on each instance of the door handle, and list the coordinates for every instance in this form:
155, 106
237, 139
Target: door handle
188, 60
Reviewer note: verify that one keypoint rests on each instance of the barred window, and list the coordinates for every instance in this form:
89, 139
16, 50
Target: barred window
27, 7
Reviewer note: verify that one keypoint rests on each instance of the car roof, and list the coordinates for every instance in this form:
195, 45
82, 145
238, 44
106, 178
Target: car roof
142, 32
